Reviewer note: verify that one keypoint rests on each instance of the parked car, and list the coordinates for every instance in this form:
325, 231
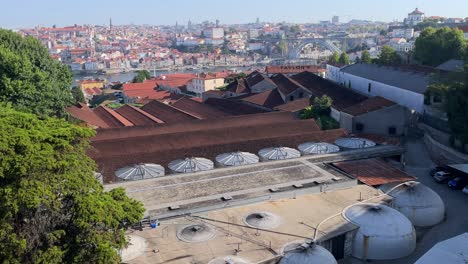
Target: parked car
443, 176
458, 183
465, 190
437, 169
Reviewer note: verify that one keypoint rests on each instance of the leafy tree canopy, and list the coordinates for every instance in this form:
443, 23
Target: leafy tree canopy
77, 94
52, 208
436, 46
335, 58
344, 59
366, 57
142, 76
30, 79
320, 106
388, 56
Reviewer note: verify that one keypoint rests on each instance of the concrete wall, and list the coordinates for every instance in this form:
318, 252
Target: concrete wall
403, 97
335, 114
442, 154
346, 122
378, 122
262, 87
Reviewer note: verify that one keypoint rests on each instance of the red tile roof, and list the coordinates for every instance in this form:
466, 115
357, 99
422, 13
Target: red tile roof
196, 125
200, 110
166, 113
239, 87
269, 99
137, 116
342, 97
163, 148
82, 112
294, 106
374, 172
233, 107
368, 105
111, 118
286, 85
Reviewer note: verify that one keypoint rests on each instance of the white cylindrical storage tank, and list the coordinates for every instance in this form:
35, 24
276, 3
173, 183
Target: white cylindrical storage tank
280, 153
354, 143
383, 234
300, 253
140, 172
419, 203
188, 165
236, 159
312, 148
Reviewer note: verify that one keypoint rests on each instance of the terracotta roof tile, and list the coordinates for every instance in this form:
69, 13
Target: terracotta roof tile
233, 107
137, 116
82, 112
269, 99
165, 112
374, 172
285, 84
202, 111
294, 106
111, 118
368, 105
342, 97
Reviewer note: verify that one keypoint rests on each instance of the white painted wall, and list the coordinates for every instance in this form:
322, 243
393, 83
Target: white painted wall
411, 100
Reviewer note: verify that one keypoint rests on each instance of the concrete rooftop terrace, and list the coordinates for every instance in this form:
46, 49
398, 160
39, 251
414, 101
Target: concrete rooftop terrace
226, 187
298, 218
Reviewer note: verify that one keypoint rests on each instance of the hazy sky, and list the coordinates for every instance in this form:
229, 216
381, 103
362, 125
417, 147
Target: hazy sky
27, 13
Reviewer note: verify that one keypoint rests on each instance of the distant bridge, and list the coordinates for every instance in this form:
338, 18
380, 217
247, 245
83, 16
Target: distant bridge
295, 46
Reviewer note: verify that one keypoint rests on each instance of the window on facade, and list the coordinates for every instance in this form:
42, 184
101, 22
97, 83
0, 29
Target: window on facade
437, 98
301, 94
392, 130
369, 87
291, 98
359, 126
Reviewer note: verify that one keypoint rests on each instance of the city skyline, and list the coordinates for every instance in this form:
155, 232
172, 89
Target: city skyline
50, 12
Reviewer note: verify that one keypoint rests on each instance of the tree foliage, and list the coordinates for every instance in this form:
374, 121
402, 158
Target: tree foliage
30, 79
320, 106
77, 94
335, 58
366, 57
436, 46
142, 76
52, 208
344, 59
388, 56
454, 88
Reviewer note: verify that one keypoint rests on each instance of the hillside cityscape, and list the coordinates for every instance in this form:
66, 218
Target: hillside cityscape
335, 141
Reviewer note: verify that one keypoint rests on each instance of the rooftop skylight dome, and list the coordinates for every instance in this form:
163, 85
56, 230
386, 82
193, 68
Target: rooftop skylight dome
236, 159
354, 143
280, 153
140, 172
189, 165
196, 233
311, 148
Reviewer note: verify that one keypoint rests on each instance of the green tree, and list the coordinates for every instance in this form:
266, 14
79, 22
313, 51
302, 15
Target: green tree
77, 94
454, 88
30, 79
282, 47
225, 49
335, 58
344, 59
436, 46
142, 76
52, 208
320, 106
365, 57
388, 56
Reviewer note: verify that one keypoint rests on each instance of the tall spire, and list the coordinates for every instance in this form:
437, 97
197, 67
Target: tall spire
110, 24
